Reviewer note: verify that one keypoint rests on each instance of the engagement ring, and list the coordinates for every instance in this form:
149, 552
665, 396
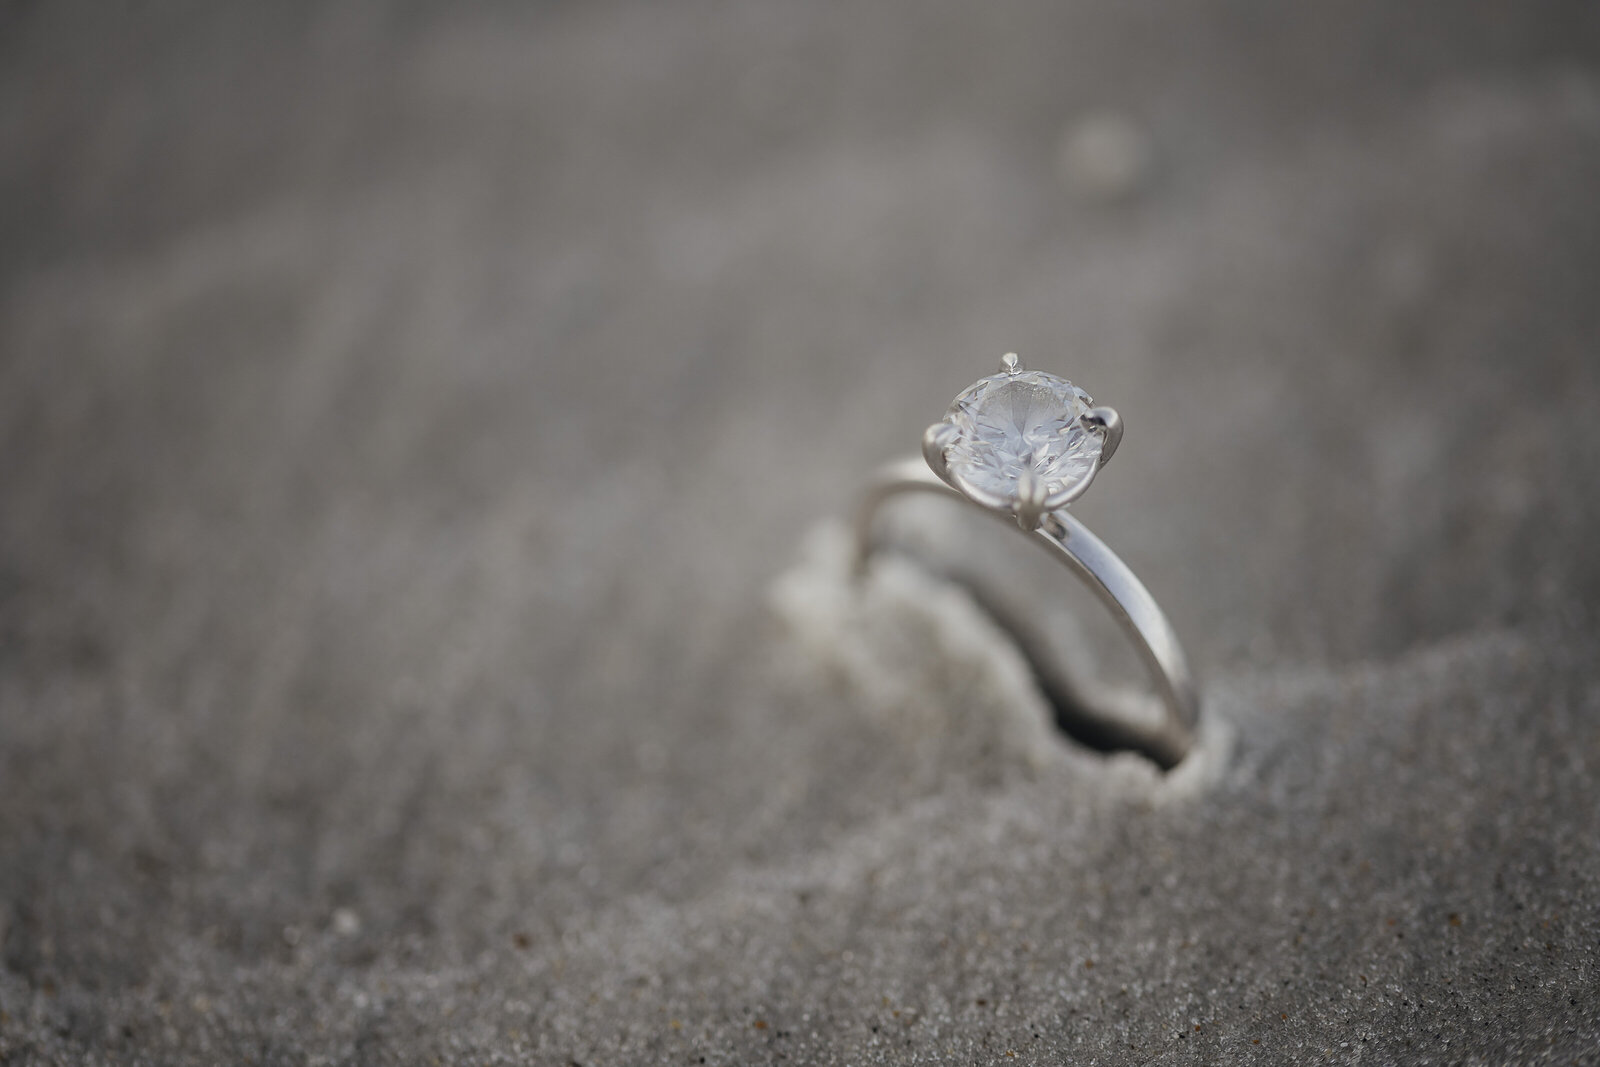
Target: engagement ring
1023, 445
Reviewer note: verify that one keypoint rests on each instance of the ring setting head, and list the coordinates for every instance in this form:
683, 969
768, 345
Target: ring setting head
1022, 442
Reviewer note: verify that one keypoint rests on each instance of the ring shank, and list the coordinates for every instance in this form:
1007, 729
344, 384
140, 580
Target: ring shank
1069, 541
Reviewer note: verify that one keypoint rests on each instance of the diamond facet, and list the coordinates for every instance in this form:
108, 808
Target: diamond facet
1009, 423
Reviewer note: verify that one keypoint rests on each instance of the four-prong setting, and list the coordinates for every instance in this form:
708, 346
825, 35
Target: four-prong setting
936, 442
1022, 442
1109, 423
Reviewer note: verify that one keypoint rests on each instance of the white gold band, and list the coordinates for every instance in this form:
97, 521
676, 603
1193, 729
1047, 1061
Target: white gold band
1086, 556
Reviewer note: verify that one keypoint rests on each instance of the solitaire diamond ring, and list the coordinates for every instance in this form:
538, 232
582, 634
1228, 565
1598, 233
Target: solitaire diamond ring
1024, 445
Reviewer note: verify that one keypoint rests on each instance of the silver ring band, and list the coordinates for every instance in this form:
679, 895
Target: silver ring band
1086, 556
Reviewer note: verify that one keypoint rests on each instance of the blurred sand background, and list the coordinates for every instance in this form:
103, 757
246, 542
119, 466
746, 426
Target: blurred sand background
407, 414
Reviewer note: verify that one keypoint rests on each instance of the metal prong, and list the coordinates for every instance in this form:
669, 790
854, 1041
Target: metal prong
1031, 493
936, 440
1108, 420
1011, 364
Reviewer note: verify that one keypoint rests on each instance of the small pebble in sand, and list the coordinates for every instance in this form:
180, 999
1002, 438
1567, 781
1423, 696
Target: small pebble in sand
1104, 157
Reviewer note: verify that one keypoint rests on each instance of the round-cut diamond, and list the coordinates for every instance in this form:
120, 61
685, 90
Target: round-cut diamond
1027, 420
